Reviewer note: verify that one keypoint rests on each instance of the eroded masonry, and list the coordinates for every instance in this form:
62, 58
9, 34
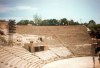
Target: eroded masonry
35, 46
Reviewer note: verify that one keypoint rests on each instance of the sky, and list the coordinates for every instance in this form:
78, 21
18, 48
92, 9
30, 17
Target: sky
78, 10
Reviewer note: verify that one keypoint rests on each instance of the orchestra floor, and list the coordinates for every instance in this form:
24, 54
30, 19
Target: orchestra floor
78, 62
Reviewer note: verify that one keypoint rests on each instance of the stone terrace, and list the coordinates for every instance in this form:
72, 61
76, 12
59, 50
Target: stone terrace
71, 35
75, 38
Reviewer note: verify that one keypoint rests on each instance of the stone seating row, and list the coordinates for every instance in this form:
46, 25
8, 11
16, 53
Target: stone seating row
10, 59
47, 56
62, 52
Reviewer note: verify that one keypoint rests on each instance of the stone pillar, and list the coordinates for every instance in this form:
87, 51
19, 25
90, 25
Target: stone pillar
32, 46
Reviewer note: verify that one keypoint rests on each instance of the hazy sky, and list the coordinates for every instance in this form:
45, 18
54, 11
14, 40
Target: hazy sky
48, 9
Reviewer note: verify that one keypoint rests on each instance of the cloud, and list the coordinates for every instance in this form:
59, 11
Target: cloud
4, 8
16, 18
25, 8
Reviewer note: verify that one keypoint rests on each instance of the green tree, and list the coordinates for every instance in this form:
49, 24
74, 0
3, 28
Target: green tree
86, 24
53, 22
45, 23
37, 19
63, 21
71, 22
92, 25
25, 22
31, 22
92, 22
76, 23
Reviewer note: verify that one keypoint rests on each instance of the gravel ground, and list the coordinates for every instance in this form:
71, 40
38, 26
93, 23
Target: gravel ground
78, 62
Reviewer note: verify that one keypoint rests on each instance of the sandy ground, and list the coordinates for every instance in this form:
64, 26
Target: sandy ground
79, 62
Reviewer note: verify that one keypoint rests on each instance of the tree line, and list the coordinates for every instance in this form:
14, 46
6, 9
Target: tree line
37, 21
54, 22
48, 22
94, 29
